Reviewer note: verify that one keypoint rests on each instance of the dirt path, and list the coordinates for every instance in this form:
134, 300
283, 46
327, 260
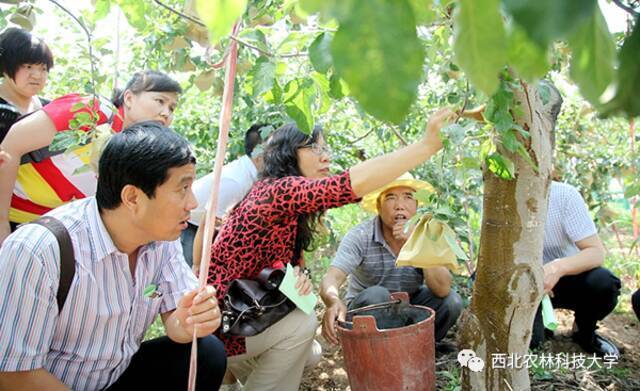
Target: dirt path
623, 329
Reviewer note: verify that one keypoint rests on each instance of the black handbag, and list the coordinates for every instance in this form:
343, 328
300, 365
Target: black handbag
251, 306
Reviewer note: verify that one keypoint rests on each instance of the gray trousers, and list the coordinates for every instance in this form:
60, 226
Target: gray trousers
447, 309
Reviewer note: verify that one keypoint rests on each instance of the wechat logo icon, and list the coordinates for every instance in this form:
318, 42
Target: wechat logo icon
467, 358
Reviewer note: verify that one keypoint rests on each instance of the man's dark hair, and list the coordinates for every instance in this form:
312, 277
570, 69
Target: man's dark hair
146, 81
141, 155
252, 138
18, 47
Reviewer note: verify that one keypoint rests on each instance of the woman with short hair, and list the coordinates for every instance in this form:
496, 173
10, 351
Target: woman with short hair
25, 62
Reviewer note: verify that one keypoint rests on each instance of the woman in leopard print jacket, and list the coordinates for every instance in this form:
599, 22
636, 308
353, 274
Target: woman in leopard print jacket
275, 223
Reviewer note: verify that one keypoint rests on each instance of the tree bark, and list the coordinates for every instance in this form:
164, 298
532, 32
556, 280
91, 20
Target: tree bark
508, 286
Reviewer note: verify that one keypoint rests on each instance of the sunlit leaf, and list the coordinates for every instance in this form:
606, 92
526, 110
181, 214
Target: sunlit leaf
593, 57
547, 20
480, 42
529, 60
219, 16
377, 52
627, 98
500, 165
298, 99
320, 53
263, 73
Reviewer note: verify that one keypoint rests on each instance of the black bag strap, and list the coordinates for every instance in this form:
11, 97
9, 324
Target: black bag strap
67, 259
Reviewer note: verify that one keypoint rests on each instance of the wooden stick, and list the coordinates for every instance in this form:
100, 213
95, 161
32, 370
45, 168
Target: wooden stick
209, 227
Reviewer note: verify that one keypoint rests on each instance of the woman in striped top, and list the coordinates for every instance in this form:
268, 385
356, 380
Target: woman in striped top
30, 188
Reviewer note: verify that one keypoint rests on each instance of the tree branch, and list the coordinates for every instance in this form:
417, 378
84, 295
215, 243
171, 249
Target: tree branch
362, 137
182, 15
398, 135
240, 41
264, 52
627, 8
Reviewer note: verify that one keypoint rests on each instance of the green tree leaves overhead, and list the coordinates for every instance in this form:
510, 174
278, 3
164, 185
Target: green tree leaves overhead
263, 74
320, 53
593, 56
299, 95
529, 60
480, 42
548, 20
627, 98
377, 52
220, 15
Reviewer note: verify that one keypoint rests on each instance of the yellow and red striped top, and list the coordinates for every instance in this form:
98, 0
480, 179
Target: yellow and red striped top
58, 179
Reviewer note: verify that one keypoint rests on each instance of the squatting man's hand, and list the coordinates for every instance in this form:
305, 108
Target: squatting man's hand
199, 309
336, 311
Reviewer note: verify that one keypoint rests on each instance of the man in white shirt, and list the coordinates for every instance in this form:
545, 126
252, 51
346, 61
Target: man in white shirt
235, 182
573, 255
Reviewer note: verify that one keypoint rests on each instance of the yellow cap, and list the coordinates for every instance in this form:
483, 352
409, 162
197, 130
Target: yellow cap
368, 202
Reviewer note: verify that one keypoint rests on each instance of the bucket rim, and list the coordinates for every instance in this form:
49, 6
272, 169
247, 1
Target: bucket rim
429, 319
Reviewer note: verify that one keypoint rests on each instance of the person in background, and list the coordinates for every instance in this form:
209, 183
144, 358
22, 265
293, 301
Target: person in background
235, 182
276, 222
635, 303
29, 189
573, 255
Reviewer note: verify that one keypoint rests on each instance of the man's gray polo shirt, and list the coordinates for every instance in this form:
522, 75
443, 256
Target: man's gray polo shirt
368, 260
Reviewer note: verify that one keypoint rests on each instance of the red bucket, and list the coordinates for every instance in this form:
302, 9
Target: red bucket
400, 358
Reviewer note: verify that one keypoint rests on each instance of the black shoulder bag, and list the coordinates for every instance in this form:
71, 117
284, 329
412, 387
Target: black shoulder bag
251, 306
67, 259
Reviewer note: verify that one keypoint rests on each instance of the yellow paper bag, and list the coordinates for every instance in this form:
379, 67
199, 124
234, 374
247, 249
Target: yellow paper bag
432, 243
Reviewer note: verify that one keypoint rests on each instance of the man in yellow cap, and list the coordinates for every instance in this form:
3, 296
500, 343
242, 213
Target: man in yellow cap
368, 255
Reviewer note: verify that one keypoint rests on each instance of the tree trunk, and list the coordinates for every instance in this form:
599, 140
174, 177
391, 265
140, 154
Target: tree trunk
508, 286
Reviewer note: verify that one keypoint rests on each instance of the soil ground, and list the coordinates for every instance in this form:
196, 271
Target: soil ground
622, 328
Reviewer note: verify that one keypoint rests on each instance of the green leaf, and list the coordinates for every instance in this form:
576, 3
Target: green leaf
328, 9
102, 8
593, 57
377, 52
320, 53
423, 12
135, 12
423, 196
627, 98
529, 60
500, 165
547, 20
335, 87
632, 190
525, 155
263, 74
220, 15
257, 37
509, 140
298, 100
449, 236
480, 42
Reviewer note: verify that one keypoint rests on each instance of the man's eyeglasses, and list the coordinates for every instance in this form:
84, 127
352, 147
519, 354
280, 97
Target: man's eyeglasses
318, 149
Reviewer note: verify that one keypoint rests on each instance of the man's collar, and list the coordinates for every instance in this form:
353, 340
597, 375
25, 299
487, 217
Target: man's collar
378, 235
104, 244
